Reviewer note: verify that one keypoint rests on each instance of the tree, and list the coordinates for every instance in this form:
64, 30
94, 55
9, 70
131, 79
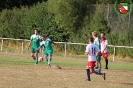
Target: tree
9, 4
69, 14
97, 21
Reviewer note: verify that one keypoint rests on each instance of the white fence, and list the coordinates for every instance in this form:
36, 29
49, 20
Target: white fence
65, 45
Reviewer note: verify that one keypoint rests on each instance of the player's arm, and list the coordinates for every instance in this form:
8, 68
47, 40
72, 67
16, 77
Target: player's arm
30, 42
105, 47
29, 45
55, 44
86, 51
98, 51
40, 47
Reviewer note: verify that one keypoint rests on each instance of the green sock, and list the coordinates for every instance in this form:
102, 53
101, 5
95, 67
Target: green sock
36, 61
51, 59
34, 58
46, 61
99, 70
49, 65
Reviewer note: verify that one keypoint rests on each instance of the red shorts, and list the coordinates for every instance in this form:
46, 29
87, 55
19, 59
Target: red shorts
91, 64
105, 55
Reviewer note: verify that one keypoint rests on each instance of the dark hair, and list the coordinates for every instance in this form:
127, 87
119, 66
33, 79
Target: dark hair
102, 33
36, 29
43, 36
90, 39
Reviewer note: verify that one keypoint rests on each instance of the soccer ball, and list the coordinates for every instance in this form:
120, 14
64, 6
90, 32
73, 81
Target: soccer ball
40, 59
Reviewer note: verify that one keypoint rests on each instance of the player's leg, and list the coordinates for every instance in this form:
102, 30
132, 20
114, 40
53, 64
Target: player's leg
89, 68
106, 60
99, 63
96, 72
33, 56
32, 53
88, 72
36, 55
46, 56
96, 65
49, 57
102, 74
46, 59
49, 60
99, 67
105, 56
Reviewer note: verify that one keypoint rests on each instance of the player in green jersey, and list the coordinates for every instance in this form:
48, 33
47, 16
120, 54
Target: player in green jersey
48, 51
97, 43
35, 40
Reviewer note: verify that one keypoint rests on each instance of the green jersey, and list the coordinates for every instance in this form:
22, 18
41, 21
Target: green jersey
35, 39
97, 42
47, 44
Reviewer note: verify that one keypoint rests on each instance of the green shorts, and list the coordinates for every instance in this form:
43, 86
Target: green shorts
33, 50
98, 58
48, 52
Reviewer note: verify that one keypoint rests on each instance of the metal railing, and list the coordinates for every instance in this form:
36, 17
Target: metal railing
65, 45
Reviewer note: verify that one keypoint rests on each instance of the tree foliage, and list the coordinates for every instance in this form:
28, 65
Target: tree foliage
65, 20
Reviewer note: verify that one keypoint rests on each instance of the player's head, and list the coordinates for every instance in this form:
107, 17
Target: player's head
94, 34
102, 35
43, 37
36, 31
90, 40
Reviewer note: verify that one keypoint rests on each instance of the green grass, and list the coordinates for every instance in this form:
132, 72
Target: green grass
80, 61
20, 71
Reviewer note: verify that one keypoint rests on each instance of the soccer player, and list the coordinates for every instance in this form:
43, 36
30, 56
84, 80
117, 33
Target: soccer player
35, 40
47, 44
104, 50
97, 43
92, 51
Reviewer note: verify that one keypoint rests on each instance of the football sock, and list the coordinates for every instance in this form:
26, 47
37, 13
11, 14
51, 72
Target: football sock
99, 70
50, 58
88, 73
106, 60
34, 58
49, 65
36, 61
46, 61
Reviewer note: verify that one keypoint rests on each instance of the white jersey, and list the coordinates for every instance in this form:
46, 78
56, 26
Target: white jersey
104, 43
35, 37
42, 43
92, 49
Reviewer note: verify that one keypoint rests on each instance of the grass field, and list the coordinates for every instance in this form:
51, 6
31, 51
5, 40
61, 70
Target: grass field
19, 71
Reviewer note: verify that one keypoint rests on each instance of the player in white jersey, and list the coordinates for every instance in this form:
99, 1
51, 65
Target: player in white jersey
97, 43
92, 51
104, 48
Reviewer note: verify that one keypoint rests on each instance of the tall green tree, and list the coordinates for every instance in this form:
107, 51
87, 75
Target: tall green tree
98, 21
69, 14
